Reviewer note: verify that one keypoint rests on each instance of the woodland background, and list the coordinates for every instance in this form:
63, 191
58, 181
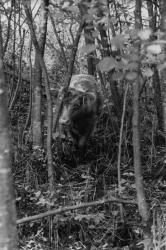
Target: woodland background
114, 196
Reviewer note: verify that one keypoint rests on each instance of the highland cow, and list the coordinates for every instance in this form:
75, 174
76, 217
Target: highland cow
80, 107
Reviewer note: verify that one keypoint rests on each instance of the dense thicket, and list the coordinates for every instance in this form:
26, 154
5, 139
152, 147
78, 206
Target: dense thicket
121, 172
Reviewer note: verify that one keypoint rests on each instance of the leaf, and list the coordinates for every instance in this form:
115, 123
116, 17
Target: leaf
103, 20
105, 246
8, 10
91, 226
43, 202
134, 57
162, 66
128, 174
115, 213
59, 134
92, 12
131, 76
95, 34
85, 176
73, 9
123, 181
118, 41
107, 64
98, 218
125, 61
38, 193
144, 34
151, 58
18, 198
114, 20
147, 243
132, 66
117, 76
154, 49
148, 72
133, 186
66, 4
160, 41
87, 49
80, 217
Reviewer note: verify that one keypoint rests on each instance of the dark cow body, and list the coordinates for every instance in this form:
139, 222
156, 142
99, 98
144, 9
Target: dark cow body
81, 105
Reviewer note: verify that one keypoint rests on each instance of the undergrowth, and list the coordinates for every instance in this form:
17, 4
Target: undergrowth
87, 178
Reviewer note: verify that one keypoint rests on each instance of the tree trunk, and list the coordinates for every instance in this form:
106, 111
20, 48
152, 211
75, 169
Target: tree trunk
37, 80
163, 73
158, 97
8, 28
8, 239
142, 204
152, 13
88, 31
88, 34
106, 52
49, 102
12, 87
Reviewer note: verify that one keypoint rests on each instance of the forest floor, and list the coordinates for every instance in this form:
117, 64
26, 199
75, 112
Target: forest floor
83, 179
92, 177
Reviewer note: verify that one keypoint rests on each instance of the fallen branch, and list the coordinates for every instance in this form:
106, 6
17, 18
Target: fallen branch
64, 209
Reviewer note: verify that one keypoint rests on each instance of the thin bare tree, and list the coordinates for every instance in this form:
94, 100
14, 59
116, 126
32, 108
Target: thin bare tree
8, 239
141, 199
47, 89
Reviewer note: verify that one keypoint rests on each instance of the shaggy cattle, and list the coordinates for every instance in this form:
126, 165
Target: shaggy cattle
80, 107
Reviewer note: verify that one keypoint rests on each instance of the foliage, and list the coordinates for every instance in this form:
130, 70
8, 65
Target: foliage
113, 45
